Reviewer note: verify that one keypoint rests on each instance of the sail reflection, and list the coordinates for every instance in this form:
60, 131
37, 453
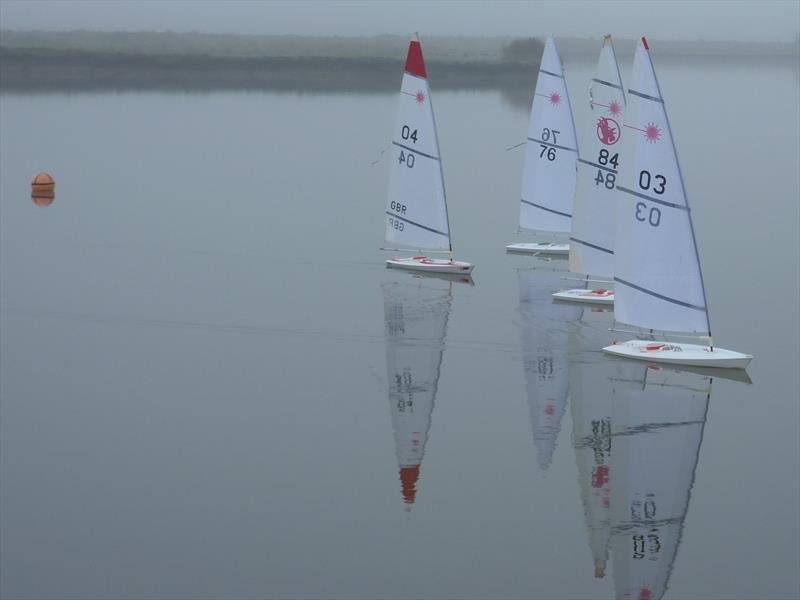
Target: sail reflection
657, 427
544, 328
637, 435
416, 310
590, 383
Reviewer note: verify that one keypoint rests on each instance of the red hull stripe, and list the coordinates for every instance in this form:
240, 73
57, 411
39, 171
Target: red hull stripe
644, 41
415, 64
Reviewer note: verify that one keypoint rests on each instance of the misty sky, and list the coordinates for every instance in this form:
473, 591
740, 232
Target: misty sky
734, 20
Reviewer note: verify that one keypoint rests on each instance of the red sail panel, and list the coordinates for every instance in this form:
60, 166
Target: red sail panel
415, 64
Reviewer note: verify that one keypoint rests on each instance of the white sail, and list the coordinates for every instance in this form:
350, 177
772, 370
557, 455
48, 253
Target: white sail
590, 392
658, 419
416, 320
657, 269
544, 327
416, 210
551, 151
591, 250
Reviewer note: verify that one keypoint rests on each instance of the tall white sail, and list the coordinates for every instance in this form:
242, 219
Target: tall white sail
416, 210
658, 419
590, 392
591, 250
551, 151
657, 269
416, 320
544, 327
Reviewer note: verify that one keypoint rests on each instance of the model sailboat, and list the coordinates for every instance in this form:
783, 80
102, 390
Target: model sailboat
416, 207
551, 152
591, 250
659, 283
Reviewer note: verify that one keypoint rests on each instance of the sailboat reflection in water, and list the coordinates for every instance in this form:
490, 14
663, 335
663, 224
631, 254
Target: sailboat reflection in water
590, 385
416, 312
544, 328
657, 427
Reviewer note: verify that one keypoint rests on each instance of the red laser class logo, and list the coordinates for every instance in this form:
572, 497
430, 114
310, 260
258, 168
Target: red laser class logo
607, 131
420, 97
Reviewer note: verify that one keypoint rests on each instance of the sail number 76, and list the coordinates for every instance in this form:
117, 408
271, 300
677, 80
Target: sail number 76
550, 152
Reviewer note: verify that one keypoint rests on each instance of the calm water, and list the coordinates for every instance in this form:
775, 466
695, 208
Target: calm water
212, 388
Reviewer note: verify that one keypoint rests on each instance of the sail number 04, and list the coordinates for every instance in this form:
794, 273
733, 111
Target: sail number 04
407, 159
408, 134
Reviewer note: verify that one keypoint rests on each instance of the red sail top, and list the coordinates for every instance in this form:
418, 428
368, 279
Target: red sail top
415, 64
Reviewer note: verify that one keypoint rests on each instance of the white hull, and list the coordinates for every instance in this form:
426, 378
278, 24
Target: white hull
538, 248
598, 296
424, 264
679, 354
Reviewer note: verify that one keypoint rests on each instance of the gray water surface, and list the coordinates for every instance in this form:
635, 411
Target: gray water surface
198, 398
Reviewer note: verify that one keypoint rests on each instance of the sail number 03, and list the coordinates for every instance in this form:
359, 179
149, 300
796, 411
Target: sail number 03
658, 184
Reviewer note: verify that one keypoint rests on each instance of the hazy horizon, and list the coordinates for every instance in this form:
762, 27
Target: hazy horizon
768, 21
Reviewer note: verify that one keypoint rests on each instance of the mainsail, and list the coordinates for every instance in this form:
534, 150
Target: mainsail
551, 151
657, 421
416, 210
591, 249
416, 320
544, 328
657, 269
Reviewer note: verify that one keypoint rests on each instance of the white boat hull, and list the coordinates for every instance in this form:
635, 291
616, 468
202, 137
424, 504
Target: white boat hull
597, 296
679, 354
538, 248
424, 264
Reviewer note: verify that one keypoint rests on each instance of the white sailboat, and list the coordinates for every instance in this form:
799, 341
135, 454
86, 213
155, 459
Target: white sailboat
415, 314
591, 250
551, 152
657, 429
416, 207
544, 331
657, 275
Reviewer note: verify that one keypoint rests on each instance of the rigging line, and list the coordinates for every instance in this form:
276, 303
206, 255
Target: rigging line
380, 156
516, 145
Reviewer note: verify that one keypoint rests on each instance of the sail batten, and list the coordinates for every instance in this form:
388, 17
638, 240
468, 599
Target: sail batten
656, 258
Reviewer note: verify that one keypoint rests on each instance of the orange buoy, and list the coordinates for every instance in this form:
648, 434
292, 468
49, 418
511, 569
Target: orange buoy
43, 189
43, 179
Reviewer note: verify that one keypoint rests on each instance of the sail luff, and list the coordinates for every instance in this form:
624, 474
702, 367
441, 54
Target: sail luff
441, 177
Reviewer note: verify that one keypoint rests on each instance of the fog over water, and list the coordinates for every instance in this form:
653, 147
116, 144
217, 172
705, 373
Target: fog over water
211, 386
710, 20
